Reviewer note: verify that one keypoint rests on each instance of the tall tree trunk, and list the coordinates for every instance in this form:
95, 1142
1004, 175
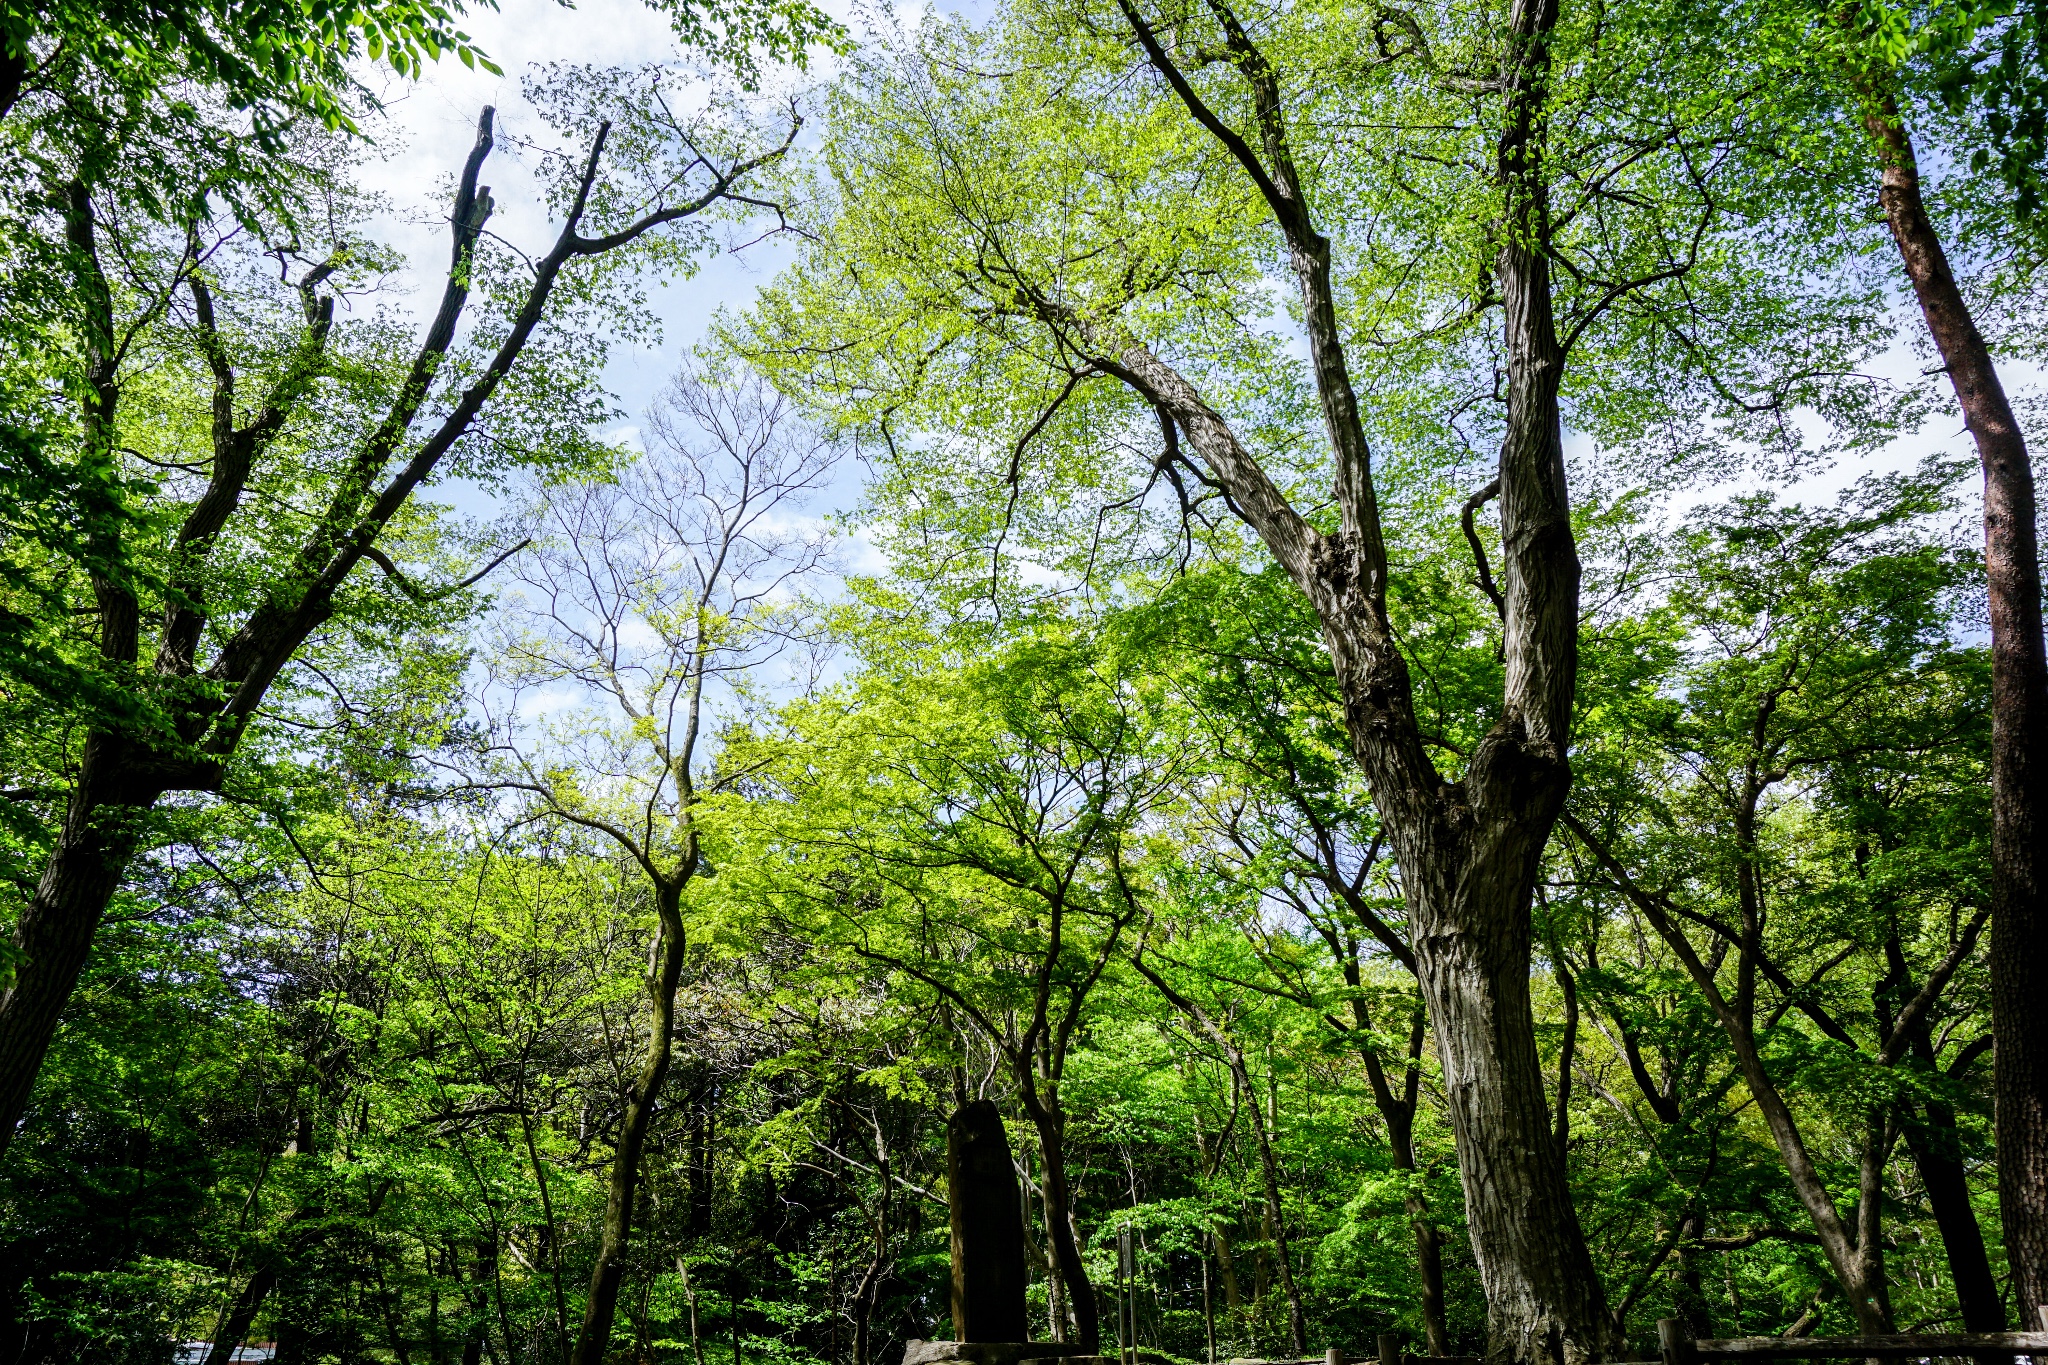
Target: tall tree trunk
1470, 865
1932, 1143
2019, 710
55, 932
667, 968
1470, 874
1276, 1211
1057, 1196
1469, 849
484, 1275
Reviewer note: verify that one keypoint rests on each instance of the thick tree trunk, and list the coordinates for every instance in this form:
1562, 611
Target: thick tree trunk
1468, 850
54, 935
2019, 713
1469, 873
667, 969
1544, 1301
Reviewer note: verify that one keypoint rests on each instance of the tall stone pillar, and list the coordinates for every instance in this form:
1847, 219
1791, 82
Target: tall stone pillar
988, 1227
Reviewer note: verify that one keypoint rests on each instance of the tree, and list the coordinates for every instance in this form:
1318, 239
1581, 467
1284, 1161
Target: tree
649, 597
1243, 655
183, 666
1810, 625
965, 829
1134, 263
1870, 52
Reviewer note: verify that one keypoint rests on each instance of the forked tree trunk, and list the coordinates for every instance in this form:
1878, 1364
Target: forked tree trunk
1468, 850
665, 974
1469, 867
2019, 712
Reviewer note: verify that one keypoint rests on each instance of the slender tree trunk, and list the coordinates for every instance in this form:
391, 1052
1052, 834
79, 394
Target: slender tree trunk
2019, 710
878, 1267
235, 1326
662, 980
1226, 1266
547, 1209
437, 1350
483, 1275
1932, 1143
1397, 1111
1058, 1199
699, 1159
1276, 1214
1935, 1144
1208, 1315
1853, 1252
690, 1298
1429, 1257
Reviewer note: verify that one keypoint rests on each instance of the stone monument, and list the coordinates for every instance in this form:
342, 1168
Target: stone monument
987, 1214
986, 1209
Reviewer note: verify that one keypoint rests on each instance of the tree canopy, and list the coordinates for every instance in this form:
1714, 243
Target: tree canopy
1372, 620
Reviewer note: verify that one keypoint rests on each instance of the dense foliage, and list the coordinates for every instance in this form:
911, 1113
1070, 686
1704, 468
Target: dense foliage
564, 938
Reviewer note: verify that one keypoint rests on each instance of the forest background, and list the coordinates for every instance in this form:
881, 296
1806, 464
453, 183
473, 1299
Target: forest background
575, 677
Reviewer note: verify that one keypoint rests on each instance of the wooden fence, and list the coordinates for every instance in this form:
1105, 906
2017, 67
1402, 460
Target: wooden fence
1674, 1347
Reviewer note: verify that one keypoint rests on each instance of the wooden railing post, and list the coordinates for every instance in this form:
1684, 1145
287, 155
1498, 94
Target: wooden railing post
1390, 1349
1673, 1344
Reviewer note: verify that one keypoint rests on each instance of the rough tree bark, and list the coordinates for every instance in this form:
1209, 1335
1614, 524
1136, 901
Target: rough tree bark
2019, 708
1468, 850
